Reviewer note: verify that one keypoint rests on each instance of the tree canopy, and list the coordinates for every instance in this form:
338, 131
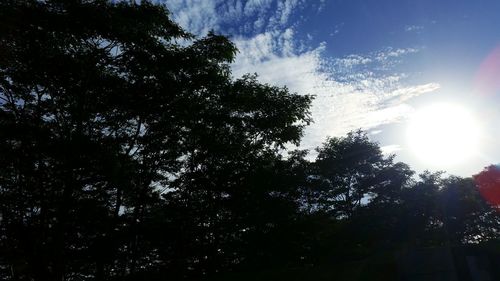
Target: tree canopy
128, 151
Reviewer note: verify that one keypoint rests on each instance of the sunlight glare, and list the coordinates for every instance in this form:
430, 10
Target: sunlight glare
443, 134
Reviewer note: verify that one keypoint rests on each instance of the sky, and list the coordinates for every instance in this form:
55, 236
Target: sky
371, 64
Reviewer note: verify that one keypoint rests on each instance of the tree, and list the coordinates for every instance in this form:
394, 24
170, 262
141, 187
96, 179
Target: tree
466, 215
352, 197
103, 110
129, 152
350, 171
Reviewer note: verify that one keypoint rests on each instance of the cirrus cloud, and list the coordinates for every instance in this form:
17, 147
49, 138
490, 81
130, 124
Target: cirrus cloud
353, 91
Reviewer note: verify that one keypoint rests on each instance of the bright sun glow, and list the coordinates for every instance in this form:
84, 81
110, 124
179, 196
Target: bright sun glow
443, 134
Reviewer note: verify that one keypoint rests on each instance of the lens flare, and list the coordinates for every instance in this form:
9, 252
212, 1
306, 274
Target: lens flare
488, 76
488, 183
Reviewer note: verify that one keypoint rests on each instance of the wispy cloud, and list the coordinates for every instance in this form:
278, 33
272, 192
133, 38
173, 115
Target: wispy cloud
336, 29
414, 28
252, 16
354, 91
348, 94
197, 16
390, 149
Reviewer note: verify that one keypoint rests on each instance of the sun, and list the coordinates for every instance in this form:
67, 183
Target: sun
443, 134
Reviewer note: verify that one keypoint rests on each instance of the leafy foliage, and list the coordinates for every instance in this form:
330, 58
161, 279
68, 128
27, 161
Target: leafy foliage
129, 152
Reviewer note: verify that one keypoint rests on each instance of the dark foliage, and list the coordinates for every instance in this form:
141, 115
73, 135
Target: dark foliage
129, 152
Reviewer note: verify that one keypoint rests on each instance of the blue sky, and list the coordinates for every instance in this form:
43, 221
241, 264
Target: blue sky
369, 63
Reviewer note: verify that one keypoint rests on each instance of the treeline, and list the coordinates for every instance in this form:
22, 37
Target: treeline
129, 152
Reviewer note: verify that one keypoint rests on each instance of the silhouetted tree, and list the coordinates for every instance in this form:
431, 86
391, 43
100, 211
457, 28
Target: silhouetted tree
129, 152
104, 107
466, 215
349, 172
353, 195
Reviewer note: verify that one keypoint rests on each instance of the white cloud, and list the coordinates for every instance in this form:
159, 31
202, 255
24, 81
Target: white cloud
390, 149
345, 99
200, 16
394, 53
336, 29
284, 11
351, 61
349, 93
196, 16
413, 28
342, 107
253, 6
